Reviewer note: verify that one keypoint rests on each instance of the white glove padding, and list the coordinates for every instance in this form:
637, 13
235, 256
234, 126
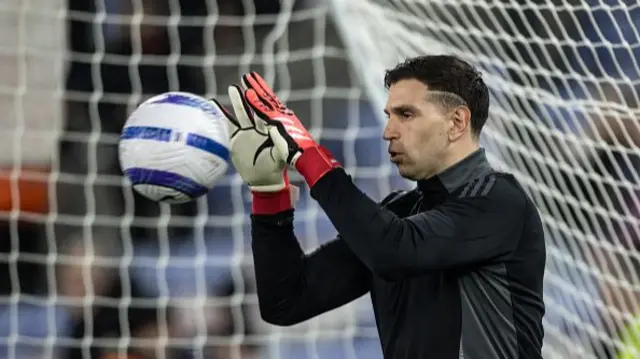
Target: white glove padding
252, 150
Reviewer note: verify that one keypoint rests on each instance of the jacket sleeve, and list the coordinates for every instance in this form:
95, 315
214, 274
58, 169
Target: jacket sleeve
293, 286
464, 231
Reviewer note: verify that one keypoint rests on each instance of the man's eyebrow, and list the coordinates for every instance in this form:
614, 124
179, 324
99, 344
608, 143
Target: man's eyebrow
401, 108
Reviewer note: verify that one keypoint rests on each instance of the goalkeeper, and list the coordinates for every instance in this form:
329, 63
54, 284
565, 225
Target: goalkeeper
454, 267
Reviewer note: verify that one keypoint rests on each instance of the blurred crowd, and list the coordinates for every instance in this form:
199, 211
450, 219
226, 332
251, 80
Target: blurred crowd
113, 273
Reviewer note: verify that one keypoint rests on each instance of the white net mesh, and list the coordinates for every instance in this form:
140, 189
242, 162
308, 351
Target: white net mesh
104, 270
564, 80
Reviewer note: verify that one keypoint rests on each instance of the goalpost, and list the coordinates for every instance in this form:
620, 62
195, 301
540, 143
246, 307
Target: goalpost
563, 75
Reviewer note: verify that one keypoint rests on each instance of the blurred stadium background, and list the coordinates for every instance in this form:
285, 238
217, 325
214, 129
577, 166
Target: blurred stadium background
88, 269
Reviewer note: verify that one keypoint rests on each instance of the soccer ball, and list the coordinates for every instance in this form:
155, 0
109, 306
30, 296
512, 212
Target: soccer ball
174, 147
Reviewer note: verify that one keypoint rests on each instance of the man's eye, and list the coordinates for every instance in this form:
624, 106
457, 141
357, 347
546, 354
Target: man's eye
407, 114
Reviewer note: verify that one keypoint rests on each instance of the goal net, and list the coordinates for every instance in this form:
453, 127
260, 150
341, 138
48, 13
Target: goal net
564, 80
89, 268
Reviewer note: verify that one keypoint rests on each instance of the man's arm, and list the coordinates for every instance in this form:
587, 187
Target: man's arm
462, 232
293, 287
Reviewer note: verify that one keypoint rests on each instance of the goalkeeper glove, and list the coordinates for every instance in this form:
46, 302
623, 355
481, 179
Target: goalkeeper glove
289, 136
256, 159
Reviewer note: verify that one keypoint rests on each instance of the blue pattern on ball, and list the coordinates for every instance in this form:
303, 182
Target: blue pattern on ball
146, 133
190, 101
164, 135
166, 179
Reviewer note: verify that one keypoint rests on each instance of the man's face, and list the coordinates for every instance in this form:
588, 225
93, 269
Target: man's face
416, 130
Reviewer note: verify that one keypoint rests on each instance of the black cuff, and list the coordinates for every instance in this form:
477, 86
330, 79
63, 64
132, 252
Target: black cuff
279, 219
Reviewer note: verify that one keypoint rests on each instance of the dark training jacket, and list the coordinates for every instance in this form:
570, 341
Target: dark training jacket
454, 267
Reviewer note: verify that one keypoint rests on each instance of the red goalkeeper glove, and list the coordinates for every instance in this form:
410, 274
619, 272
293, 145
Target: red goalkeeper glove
256, 159
292, 140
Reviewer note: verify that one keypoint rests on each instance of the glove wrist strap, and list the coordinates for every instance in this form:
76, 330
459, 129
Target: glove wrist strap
314, 163
272, 202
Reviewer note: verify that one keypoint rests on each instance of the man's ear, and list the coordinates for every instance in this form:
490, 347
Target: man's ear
461, 123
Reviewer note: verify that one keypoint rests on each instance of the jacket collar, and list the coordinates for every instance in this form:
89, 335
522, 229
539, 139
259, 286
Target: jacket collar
471, 167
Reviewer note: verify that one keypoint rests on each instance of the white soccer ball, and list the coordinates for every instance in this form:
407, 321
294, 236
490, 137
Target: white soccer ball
174, 147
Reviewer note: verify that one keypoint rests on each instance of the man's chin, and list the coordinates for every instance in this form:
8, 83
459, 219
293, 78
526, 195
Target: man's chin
406, 173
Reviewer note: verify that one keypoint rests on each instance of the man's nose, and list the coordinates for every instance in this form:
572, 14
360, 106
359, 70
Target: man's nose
389, 133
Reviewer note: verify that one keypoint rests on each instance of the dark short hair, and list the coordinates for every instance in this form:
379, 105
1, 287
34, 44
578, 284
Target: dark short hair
448, 74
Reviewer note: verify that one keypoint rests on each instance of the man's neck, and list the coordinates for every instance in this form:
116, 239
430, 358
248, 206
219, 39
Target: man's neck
458, 154
467, 168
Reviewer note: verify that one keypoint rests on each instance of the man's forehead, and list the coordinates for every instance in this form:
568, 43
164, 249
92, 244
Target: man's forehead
409, 86
405, 92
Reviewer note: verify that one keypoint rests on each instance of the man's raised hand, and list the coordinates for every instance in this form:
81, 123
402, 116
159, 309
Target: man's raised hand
290, 137
255, 157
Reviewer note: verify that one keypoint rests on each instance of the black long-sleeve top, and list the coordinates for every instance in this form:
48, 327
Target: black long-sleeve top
454, 267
